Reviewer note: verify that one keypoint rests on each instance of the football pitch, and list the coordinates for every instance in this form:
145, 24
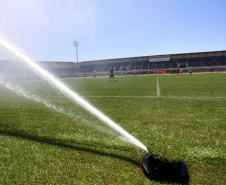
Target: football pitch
45, 138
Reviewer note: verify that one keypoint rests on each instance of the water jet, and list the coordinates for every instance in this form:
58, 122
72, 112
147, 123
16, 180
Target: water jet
72, 95
157, 169
164, 170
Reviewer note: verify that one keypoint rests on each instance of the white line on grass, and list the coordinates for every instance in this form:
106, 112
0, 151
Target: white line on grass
168, 97
157, 88
120, 96
195, 97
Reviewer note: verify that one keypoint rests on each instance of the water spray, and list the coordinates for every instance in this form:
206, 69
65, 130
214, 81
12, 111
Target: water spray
21, 92
68, 92
157, 169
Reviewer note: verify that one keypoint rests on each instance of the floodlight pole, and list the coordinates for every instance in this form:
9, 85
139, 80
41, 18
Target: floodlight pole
75, 43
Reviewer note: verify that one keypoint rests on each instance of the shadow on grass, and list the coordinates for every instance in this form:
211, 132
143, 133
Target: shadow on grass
60, 143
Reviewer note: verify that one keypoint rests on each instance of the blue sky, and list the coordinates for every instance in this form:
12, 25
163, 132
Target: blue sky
106, 29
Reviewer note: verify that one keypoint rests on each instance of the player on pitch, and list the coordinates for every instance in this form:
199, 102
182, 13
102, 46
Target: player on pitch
112, 74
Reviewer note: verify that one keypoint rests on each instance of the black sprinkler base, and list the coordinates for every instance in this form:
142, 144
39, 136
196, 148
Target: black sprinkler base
164, 170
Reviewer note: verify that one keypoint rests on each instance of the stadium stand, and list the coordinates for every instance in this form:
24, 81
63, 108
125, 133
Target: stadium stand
202, 61
142, 64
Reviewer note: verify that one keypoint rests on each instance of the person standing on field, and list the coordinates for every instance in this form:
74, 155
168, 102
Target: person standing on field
94, 74
112, 74
219, 69
134, 72
190, 70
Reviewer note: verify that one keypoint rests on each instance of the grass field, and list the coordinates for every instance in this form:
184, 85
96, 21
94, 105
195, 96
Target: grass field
175, 116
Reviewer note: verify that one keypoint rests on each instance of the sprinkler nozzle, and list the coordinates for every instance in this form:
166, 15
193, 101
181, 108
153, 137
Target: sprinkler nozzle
165, 171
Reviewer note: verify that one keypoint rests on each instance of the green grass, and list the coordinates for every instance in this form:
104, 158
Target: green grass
39, 145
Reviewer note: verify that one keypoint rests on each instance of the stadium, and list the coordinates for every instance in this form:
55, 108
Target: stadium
144, 65
47, 138
160, 120
202, 62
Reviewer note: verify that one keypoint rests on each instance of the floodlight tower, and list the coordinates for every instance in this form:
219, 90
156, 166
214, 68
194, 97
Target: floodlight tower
76, 45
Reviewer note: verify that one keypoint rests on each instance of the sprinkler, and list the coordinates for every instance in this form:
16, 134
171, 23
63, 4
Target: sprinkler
164, 170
